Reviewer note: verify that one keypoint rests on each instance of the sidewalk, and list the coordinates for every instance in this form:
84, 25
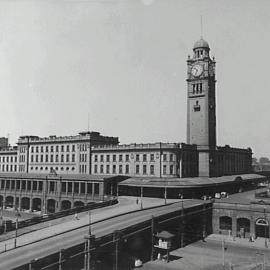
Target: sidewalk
259, 243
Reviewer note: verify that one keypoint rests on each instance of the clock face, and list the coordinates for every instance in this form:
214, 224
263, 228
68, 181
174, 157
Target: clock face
196, 70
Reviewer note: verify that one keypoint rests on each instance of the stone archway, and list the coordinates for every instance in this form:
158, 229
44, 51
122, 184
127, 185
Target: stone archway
51, 206
78, 204
262, 228
225, 223
65, 205
25, 203
9, 201
36, 204
243, 227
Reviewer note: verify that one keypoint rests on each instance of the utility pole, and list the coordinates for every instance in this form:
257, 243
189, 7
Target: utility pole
223, 255
60, 259
152, 237
141, 197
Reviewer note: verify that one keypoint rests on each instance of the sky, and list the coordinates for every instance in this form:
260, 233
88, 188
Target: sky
119, 67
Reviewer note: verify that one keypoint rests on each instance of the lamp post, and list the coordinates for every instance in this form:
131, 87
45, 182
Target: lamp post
16, 229
141, 197
89, 216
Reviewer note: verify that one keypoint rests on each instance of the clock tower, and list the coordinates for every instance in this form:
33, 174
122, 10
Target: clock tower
201, 104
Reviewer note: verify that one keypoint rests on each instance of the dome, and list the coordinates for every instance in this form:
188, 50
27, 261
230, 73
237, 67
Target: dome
201, 43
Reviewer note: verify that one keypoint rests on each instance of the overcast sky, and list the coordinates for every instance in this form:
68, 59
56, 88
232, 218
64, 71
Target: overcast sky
123, 63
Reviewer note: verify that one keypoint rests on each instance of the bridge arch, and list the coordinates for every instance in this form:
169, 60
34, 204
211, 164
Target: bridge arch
78, 204
225, 223
243, 226
25, 203
51, 206
36, 205
9, 201
65, 204
262, 228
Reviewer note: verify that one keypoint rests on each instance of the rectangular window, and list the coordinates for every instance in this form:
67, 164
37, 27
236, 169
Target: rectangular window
114, 158
108, 158
144, 169
51, 148
171, 169
56, 158
114, 168
171, 157
62, 158
36, 158
95, 169
47, 148
152, 169
7, 159
11, 159
67, 158
51, 158
101, 158
41, 158
32, 158
56, 148
144, 157
73, 148
127, 169
89, 188
37, 149
96, 158
41, 149
96, 188
164, 157
101, 168
137, 169
108, 169
73, 157
67, 148
120, 157
152, 157
127, 158
62, 148
137, 157
120, 169
164, 169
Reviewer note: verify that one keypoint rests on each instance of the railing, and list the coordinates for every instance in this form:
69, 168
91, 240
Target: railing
11, 226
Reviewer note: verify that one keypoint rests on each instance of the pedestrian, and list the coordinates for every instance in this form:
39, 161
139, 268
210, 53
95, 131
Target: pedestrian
137, 201
76, 216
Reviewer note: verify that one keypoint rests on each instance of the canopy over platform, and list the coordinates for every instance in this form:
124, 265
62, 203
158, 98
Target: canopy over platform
191, 182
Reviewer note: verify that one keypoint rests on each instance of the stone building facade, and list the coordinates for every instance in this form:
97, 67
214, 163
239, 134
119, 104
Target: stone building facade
242, 215
65, 155
146, 160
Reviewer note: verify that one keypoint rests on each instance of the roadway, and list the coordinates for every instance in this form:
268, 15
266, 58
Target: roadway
24, 254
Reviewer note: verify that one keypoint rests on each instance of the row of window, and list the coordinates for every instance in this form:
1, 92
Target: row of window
52, 148
8, 168
8, 159
197, 88
144, 169
138, 157
69, 187
56, 158
51, 168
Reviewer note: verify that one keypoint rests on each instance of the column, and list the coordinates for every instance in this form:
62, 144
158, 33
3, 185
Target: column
252, 226
31, 204
234, 225
93, 190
